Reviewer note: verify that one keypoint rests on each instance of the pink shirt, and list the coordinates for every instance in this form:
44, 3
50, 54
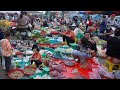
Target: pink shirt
6, 47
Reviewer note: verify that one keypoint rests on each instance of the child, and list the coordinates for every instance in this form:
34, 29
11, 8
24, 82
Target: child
36, 57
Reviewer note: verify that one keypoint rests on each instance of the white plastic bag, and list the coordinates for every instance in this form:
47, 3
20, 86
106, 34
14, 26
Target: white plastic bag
94, 74
105, 73
29, 25
117, 74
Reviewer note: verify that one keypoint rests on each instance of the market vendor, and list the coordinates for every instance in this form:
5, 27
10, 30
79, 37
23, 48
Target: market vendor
87, 42
36, 57
68, 35
113, 45
89, 49
34, 45
83, 56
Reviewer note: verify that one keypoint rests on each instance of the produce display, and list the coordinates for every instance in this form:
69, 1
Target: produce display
51, 36
4, 24
69, 63
16, 74
29, 70
56, 75
101, 42
42, 77
36, 33
42, 41
63, 53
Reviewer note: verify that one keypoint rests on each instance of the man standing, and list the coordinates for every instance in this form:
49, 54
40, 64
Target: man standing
103, 24
6, 51
111, 21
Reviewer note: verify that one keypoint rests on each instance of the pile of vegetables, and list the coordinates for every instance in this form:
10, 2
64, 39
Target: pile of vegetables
42, 77
29, 70
56, 70
36, 33
101, 42
4, 24
63, 53
42, 40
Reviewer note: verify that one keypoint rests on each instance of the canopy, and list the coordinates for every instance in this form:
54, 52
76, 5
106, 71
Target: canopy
82, 12
117, 12
108, 12
94, 12
97, 17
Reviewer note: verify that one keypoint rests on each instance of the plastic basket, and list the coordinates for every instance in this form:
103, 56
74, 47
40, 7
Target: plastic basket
15, 70
29, 67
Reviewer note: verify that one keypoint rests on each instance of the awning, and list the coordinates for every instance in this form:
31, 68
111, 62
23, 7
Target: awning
94, 12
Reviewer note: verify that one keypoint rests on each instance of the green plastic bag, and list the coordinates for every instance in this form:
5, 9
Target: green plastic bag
79, 35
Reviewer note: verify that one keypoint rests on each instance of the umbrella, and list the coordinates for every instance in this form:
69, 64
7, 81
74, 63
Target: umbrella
94, 12
108, 12
117, 12
82, 12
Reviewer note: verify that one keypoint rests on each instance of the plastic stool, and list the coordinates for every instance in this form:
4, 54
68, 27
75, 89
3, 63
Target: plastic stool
111, 66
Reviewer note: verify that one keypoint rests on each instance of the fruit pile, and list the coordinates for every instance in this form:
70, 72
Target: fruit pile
43, 41
5, 24
36, 33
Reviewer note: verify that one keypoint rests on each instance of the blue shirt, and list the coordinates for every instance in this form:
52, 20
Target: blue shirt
1, 35
103, 26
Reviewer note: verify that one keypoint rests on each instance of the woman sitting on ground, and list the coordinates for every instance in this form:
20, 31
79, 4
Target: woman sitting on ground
36, 57
88, 49
68, 35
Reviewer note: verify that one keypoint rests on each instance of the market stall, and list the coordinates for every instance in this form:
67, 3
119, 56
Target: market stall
57, 61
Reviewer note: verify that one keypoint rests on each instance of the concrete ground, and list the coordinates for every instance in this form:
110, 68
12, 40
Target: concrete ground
2, 73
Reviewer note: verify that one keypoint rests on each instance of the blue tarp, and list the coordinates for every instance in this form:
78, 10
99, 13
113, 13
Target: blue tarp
96, 17
82, 12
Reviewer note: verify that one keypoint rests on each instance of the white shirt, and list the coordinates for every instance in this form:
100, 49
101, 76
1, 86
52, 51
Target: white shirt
111, 22
78, 30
